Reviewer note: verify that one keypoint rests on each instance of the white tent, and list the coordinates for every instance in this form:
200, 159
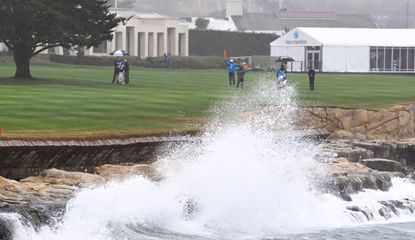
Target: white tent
348, 49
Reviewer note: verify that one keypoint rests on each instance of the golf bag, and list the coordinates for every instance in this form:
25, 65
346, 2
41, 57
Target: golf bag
281, 82
121, 78
281, 79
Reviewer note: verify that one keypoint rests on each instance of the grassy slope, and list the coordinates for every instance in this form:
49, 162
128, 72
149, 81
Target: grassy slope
70, 100
358, 90
82, 100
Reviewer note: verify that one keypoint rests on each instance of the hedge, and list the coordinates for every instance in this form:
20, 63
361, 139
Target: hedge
196, 62
212, 43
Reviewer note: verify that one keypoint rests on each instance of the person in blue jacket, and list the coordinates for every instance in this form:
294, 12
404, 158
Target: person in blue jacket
281, 77
281, 74
282, 71
231, 66
241, 74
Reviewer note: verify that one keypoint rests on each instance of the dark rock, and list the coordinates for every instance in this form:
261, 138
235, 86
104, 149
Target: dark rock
41, 200
366, 213
385, 213
405, 204
390, 208
387, 210
403, 152
350, 152
4, 205
343, 184
355, 154
369, 182
346, 196
6, 229
39, 212
385, 165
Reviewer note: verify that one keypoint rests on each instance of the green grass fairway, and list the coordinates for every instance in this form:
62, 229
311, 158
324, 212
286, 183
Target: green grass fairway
71, 101
369, 91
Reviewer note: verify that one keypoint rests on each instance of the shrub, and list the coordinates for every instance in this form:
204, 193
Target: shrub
212, 43
196, 62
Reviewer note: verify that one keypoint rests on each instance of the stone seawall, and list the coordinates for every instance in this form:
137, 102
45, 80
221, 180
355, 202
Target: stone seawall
20, 159
392, 124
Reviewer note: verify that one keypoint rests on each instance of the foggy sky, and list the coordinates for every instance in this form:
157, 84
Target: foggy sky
350, 6
183, 8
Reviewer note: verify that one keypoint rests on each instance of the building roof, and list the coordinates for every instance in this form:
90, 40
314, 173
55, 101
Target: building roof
306, 15
348, 37
214, 24
281, 21
138, 15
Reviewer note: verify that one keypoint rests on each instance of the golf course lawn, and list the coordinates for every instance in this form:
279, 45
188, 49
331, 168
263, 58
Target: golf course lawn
73, 101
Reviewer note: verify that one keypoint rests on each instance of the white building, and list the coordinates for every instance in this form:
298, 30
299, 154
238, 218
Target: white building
144, 35
348, 49
3, 47
214, 24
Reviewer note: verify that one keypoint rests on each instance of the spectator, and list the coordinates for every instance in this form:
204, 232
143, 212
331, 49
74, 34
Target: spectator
281, 77
165, 60
168, 60
118, 68
282, 68
311, 78
241, 73
126, 72
231, 66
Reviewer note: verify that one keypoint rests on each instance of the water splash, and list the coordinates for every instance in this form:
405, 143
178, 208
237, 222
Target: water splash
248, 176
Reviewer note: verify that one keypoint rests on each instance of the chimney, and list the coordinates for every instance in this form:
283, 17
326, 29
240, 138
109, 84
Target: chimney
234, 8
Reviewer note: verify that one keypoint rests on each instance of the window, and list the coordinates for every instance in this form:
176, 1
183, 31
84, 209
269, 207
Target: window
316, 60
373, 55
118, 41
396, 59
404, 59
66, 52
411, 59
102, 48
381, 59
52, 50
317, 48
392, 59
388, 59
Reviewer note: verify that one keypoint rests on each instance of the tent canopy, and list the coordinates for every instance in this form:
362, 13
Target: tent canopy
347, 37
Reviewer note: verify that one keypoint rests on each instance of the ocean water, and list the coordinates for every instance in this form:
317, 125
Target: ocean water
387, 231
250, 176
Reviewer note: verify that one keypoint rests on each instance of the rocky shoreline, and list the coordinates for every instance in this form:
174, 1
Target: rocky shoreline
394, 123
355, 165
356, 157
42, 199
349, 168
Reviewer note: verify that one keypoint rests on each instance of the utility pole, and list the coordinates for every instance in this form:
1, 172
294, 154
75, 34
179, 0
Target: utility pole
116, 4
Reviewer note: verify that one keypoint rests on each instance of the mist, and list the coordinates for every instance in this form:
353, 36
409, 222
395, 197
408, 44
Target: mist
395, 10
